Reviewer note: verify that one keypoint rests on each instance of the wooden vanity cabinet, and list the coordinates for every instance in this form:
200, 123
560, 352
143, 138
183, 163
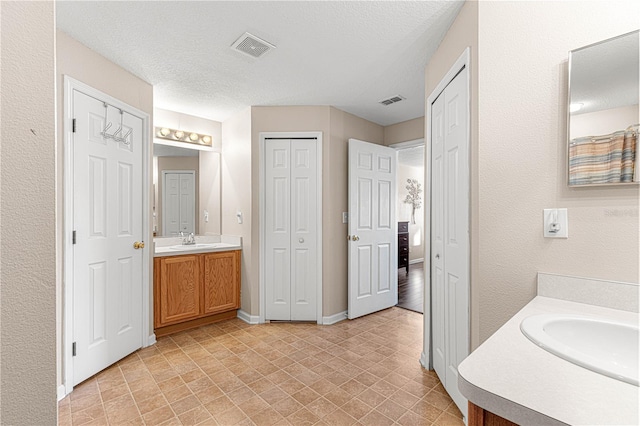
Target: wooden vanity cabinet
191, 290
218, 271
478, 416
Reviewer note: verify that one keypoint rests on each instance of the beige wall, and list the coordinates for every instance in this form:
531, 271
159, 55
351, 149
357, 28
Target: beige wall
176, 163
83, 64
28, 214
236, 193
278, 119
523, 92
343, 126
406, 131
240, 159
463, 33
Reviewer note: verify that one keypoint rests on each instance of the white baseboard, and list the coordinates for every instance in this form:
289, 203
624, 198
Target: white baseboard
249, 319
411, 262
151, 340
335, 318
62, 392
424, 361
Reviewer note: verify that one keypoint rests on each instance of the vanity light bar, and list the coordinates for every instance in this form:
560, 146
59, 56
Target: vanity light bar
183, 136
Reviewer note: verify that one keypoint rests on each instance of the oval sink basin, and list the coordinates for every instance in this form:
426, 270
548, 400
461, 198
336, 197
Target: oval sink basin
196, 246
604, 346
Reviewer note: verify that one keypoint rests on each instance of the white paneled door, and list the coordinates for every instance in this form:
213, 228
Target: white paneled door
373, 252
450, 233
291, 229
178, 202
107, 222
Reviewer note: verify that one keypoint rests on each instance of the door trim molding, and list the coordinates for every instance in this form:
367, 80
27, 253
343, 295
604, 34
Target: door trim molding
66, 339
408, 144
464, 60
262, 179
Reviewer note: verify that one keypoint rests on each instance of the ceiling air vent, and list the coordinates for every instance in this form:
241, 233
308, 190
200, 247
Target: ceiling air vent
252, 45
392, 100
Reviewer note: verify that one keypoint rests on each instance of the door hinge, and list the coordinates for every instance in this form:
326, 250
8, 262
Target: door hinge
73, 125
73, 349
73, 237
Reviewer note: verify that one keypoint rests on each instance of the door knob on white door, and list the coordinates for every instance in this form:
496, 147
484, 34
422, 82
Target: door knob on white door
301, 240
437, 256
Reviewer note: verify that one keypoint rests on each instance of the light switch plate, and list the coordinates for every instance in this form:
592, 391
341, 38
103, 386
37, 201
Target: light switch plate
560, 218
345, 217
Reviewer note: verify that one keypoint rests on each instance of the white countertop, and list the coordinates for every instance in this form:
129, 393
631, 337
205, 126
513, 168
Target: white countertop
514, 378
163, 246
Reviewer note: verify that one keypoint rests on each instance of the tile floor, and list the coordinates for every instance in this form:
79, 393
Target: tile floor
364, 371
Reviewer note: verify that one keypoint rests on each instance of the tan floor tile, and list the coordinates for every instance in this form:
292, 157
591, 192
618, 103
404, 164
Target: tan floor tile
447, 419
453, 410
267, 417
438, 400
219, 405
339, 418
375, 418
426, 410
410, 418
177, 394
357, 408
287, 406
391, 409
371, 398
305, 396
185, 404
404, 398
159, 415
303, 417
246, 375
151, 404
338, 397
232, 416
88, 415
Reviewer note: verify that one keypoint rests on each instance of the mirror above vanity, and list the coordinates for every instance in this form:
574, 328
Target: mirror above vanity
603, 112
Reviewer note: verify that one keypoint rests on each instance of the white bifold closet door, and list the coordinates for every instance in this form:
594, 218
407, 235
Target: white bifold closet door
291, 229
178, 202
450, 233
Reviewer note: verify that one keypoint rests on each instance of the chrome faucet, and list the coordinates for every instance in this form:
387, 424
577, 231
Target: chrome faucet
188, 239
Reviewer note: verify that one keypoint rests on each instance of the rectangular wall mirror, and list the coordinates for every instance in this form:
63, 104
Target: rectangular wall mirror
603, 112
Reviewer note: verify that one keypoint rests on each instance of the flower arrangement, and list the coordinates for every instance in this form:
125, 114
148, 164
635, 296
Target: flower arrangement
413, 197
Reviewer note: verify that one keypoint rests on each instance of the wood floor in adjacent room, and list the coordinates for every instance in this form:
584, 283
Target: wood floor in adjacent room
411, 288
364, 372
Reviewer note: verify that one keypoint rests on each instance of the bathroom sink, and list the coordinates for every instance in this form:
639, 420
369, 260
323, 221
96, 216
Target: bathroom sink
605, 346
196, 246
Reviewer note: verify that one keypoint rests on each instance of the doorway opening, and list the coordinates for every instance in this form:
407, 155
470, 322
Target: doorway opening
410, 204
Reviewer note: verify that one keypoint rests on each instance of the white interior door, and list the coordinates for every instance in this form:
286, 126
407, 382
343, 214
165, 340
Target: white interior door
291, 222
373, 251
450, 234
178, 202
107, 219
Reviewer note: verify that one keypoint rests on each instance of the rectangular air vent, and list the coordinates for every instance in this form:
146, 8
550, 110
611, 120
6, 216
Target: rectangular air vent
392, 100
252, 45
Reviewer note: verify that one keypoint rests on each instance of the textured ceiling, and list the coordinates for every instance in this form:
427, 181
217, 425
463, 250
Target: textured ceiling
349, 54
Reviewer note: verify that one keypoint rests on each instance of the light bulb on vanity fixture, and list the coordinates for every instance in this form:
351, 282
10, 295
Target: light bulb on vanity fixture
183, 136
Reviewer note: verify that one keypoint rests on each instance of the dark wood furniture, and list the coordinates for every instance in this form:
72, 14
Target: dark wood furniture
195, 289
403, 245
478, 416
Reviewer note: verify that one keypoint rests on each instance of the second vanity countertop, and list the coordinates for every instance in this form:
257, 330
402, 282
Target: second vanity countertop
172, 246
514, 378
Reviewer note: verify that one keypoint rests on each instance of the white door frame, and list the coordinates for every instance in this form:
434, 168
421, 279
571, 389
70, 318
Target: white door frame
164, 196
464, 60
70, 85
262, 188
